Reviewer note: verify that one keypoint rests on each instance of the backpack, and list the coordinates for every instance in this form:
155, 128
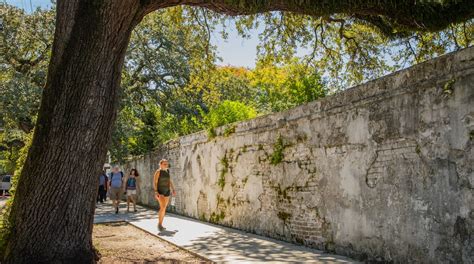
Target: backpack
112, 176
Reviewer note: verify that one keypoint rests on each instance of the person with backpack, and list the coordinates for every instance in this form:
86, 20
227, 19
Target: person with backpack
131, 187
164, 188
116, 185
101, 196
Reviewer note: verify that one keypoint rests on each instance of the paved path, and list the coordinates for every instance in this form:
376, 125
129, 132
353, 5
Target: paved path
217, 243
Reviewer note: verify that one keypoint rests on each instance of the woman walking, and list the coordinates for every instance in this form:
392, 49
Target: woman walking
131, 187
163, 189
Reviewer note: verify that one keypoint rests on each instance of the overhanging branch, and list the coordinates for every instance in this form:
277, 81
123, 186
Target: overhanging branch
388, 15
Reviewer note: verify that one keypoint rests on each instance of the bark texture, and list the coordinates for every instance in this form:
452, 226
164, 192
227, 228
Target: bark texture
52, 214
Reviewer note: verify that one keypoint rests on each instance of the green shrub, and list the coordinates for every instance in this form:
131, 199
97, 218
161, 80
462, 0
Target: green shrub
228, 112
5, 223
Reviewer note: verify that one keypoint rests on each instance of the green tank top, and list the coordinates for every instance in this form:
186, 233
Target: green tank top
164, 181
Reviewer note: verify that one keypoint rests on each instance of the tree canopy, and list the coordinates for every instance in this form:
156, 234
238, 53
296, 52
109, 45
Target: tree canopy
171, 78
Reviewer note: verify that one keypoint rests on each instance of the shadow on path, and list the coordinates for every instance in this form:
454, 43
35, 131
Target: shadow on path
105, 213
220, 244
167, 233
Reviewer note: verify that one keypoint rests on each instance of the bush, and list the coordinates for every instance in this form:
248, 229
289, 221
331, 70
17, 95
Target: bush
5, 223
228, 112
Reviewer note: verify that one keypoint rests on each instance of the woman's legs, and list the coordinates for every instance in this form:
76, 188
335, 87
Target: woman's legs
163, 200
128, 203
133, 199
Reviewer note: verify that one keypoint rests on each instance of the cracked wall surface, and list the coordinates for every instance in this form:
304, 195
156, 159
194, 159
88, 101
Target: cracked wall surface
381, 171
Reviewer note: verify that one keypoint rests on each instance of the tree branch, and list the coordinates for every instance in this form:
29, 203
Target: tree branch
401, 16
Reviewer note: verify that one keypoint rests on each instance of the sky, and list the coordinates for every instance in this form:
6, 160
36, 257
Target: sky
235, 50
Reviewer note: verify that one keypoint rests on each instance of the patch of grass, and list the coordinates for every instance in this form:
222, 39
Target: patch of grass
278, 148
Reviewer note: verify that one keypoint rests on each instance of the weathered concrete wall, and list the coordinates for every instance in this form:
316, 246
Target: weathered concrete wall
384, 170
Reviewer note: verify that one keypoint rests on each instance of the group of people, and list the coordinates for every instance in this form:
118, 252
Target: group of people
116, 183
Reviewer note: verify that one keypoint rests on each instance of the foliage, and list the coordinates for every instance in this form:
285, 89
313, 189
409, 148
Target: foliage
25, 41
280, 88
5, 223
172, 85
228, 112
348, 50
278, 148
164, 51
11, 143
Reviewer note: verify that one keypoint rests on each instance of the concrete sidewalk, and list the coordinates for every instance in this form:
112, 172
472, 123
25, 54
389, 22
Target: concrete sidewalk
217, 243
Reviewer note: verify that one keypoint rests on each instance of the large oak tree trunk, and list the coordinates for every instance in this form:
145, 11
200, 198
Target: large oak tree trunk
52, 214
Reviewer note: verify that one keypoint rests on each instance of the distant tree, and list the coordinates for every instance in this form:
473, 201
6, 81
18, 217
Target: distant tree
228, 112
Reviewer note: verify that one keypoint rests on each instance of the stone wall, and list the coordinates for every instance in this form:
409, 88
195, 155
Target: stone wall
382, 171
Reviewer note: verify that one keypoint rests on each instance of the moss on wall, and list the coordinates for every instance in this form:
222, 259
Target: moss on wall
224, 170
448, 88
229, 130
284, 216
278, 148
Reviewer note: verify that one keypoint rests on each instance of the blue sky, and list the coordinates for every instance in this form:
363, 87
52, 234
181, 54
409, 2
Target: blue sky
235, 50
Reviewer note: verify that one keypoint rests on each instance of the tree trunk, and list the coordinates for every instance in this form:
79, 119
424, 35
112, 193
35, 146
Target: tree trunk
53, 210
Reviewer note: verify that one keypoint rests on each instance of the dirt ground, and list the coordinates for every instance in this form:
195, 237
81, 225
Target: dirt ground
124, 243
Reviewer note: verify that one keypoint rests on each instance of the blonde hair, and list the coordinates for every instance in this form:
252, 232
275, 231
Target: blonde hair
162, 161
